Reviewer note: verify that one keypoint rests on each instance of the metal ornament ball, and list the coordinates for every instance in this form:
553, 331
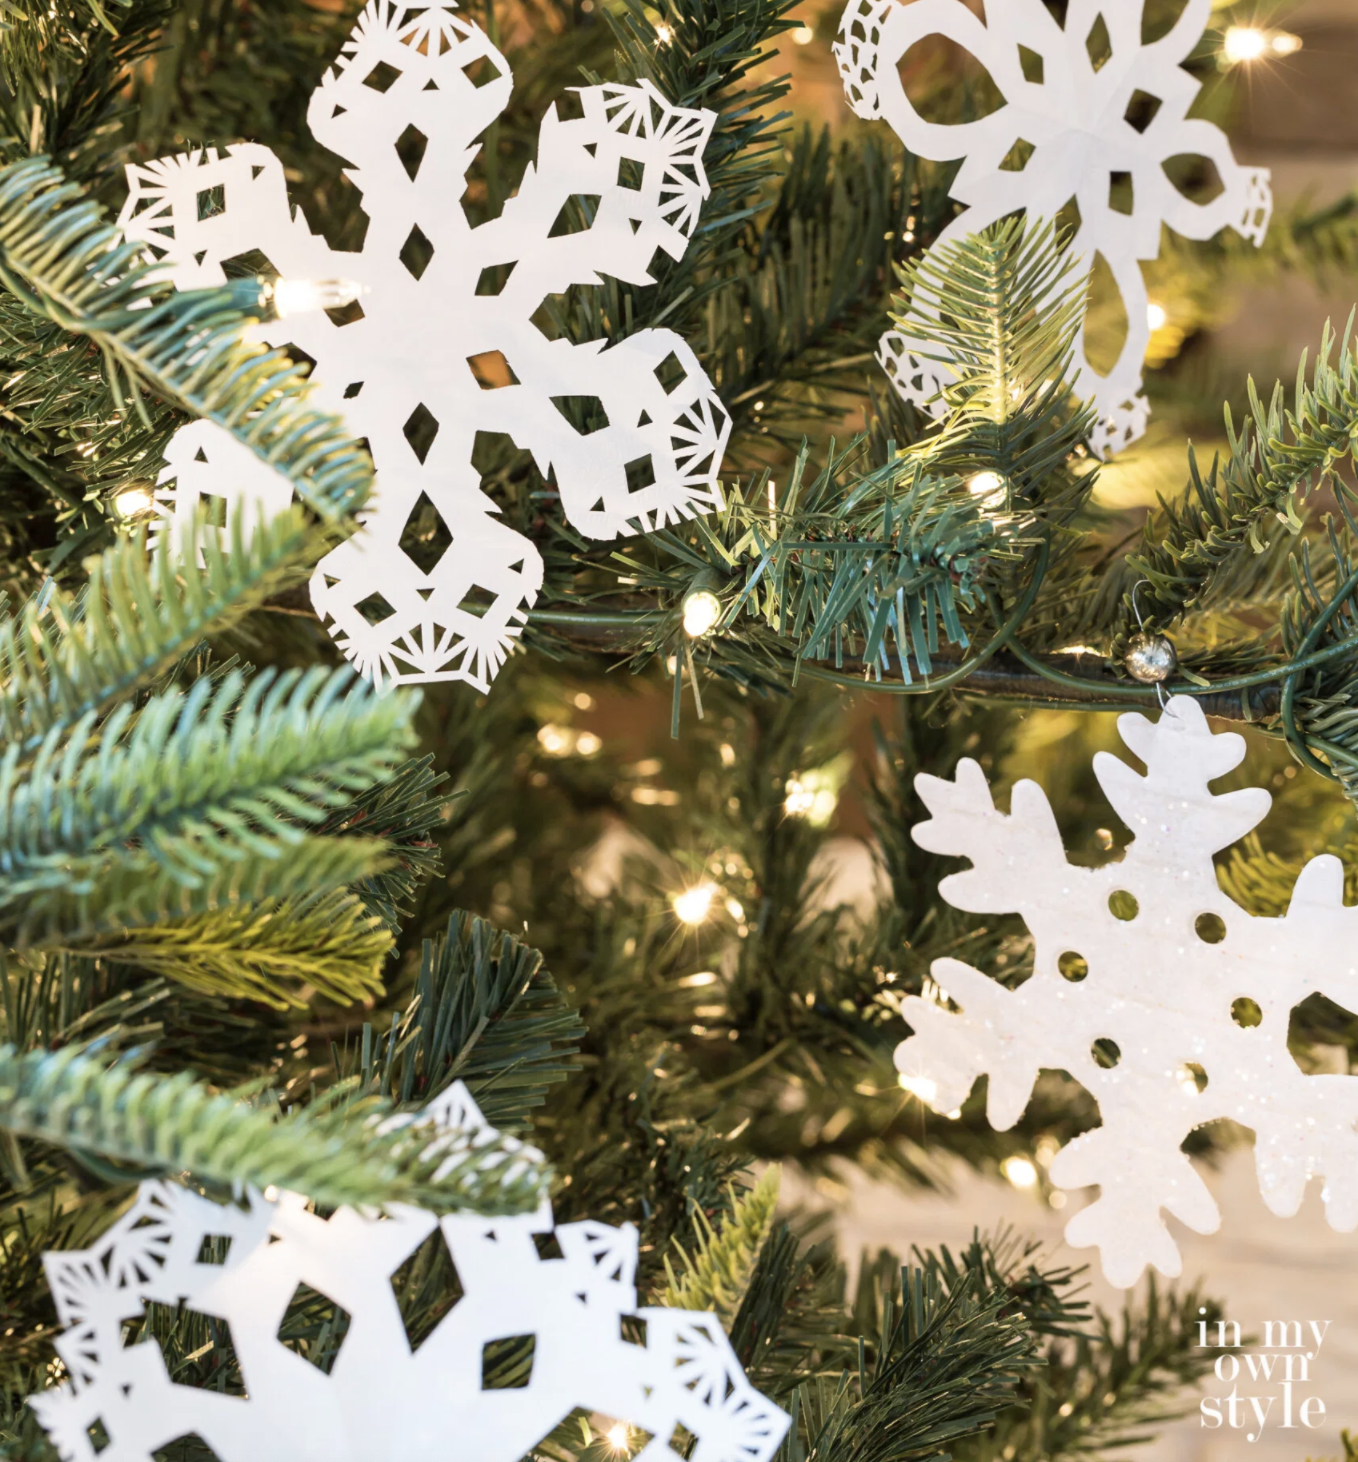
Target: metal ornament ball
1150, 658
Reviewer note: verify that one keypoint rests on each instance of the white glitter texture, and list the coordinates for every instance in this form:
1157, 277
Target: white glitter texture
1176, 1005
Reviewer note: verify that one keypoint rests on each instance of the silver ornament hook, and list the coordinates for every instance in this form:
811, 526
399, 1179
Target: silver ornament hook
1141, 627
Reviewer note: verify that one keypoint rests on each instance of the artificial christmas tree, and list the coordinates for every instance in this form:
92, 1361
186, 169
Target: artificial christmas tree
253, 910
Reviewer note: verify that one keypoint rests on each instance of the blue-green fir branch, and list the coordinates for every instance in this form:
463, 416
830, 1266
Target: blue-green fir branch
196, 780
337, 1152
65, 658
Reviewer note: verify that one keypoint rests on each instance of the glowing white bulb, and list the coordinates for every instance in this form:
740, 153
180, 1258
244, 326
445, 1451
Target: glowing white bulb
132, 502
301, 296
664, 34
985, 484
618, 1435
1156, 316
918, 1086
694, 905
1019, 1171
1250, 42
702, 610
803, 35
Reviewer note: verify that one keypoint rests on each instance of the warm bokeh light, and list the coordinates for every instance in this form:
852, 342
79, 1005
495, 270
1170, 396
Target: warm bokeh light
694, 905
1019, 1171
918, 1086
1252, 42
1156, 316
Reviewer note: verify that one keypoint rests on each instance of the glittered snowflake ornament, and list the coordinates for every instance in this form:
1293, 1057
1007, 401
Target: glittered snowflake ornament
1150, 987
442, 345
1090, 114
357, 1389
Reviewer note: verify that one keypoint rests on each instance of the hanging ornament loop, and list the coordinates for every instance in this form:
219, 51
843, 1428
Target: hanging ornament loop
1150, 658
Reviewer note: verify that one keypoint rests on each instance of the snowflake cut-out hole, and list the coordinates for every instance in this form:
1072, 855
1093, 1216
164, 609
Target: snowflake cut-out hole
426, 537
1094, 100
454, 316
1150, 986
376, 1335
427, 1286
314, 1327
417, 252
187, 1448
507, 1363
410, 148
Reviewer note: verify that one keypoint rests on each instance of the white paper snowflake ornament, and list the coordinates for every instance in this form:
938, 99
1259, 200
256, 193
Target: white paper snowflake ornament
442, 346
360, 1390
1150, 987
1090, 114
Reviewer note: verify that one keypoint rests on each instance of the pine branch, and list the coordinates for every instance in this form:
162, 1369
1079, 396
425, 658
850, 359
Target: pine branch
273, 927
335, 1154
404, 811
65, 68
1109, 1389
196, 781
717, 1275
65, 264
277, 950
485, 1012
947, 1356
64, 659
63, 1000
1277, 458
1000, 310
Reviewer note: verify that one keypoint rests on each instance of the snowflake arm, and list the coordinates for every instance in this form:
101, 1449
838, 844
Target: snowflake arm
1182, 757
1005, 850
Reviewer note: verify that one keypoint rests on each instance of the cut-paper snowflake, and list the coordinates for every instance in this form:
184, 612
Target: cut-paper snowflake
442, 345
1091, 114
530, 1337
1150, 987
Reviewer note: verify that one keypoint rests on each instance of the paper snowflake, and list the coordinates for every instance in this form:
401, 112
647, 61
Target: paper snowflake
1091, 114
443, 345
358, 1386
1150, 987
